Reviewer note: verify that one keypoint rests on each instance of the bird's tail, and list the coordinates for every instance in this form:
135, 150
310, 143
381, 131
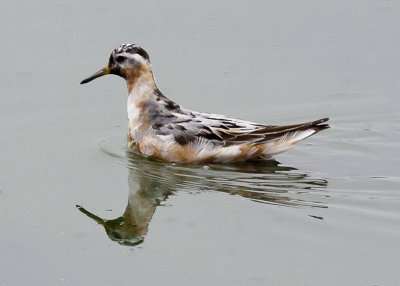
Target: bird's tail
290, 135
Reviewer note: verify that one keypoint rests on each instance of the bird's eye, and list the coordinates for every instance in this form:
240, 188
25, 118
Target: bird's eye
120, 59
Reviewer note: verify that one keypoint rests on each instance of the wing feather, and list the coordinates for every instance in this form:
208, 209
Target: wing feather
191, 126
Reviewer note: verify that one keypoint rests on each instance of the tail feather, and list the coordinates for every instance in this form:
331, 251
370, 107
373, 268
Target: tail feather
293, 134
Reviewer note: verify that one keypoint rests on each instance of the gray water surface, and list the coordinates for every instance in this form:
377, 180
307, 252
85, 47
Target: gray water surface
77, 208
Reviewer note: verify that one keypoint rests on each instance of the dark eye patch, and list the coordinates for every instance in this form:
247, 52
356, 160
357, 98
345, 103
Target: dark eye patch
120, 59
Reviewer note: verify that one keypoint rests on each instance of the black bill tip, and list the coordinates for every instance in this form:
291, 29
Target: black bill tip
100, 73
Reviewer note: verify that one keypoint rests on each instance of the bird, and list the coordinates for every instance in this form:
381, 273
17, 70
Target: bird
163, 130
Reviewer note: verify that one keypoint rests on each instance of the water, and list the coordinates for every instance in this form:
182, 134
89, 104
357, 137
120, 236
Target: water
76, 207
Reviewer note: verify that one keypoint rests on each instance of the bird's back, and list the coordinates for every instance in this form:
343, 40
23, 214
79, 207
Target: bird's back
183, 135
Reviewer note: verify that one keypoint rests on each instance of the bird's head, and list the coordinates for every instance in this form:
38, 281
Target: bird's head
128, 61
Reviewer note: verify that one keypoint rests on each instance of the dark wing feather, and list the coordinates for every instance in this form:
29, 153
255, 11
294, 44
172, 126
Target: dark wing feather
191, 126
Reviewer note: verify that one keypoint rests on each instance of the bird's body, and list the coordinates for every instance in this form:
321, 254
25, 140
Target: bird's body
161, 129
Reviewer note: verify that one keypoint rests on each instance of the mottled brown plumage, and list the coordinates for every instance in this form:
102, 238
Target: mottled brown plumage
164, 130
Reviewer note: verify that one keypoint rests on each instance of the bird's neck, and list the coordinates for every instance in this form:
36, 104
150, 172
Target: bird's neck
142, 100
140, 82
141, 88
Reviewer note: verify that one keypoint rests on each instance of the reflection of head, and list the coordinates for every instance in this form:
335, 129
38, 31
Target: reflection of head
117, 230
151, 182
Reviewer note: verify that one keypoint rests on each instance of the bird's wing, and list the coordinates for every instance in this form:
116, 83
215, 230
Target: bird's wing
190, 126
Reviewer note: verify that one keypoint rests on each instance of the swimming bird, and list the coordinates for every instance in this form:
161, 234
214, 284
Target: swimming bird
162, 129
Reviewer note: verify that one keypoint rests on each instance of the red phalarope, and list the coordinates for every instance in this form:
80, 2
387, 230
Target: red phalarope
161, 129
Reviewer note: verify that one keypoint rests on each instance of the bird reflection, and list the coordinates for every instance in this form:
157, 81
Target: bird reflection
150, 184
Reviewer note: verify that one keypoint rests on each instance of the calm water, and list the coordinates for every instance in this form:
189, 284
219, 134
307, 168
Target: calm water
76, 208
